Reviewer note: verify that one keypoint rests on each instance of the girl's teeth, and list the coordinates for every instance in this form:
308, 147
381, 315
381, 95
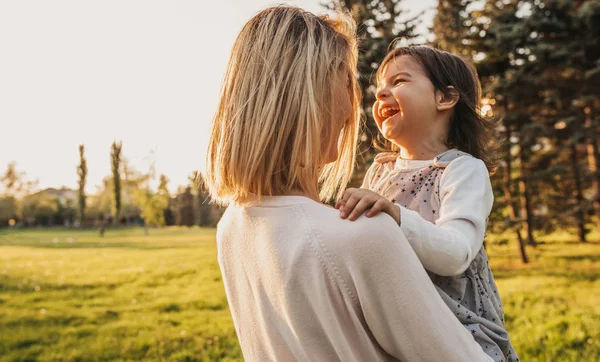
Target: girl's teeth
389, 112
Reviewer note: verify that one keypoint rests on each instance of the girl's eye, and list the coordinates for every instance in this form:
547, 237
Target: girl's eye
399, 81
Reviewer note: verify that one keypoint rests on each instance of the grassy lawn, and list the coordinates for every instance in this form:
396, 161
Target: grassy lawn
72, 296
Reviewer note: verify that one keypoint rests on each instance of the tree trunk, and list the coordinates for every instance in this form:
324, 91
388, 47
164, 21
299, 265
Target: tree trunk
526, 218
578, 194
593, 161
508, 195
101, 228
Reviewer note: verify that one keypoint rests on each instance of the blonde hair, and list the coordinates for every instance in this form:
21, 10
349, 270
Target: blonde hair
273, 123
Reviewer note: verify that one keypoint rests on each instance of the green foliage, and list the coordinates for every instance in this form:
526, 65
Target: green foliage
99, 204
207, 214
153, 204
184, 207
115, 157
14, 182
82, 173
534, 57
39, 208
8, 209
12, 179
452, 27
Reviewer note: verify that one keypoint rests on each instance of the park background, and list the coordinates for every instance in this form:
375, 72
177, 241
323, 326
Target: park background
107, 240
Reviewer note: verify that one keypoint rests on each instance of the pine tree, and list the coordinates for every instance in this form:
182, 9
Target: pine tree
566, 50
452, 27
500, 49
473, 33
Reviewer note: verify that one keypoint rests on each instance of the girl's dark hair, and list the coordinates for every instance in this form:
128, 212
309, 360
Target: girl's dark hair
469, 131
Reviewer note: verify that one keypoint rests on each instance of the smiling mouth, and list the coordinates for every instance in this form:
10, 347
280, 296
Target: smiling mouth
387, 113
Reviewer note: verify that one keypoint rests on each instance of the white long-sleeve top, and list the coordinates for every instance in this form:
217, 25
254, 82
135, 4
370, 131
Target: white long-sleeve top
305, 285
445, 220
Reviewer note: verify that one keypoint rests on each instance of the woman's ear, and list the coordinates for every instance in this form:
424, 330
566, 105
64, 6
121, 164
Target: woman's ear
447, 100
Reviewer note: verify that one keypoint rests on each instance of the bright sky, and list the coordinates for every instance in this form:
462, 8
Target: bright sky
144, 72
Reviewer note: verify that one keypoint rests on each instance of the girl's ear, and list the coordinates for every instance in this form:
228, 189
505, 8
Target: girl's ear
446, 101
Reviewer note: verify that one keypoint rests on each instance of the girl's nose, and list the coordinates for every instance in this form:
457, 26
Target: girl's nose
382, 93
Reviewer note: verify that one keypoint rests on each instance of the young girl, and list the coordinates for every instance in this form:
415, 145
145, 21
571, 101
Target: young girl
436, 185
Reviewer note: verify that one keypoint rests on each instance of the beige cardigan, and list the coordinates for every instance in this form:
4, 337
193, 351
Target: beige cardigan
305, 285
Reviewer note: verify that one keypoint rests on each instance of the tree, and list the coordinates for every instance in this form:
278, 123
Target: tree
184, 211
154, 204
539, 60
452, 27
82, 173
163, 187
8, 210
15, 182
500, 45
480, 35
566, 53
12, 179
115, 156
508, 199
99, 203
204, 209
40, 209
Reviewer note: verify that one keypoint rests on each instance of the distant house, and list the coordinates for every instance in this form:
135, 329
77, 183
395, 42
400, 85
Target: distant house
64, 195
50, 207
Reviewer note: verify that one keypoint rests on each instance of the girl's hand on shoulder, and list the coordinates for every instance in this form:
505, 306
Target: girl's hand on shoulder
355, 202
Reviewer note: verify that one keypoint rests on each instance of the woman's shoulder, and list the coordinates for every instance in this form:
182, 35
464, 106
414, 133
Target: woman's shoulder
344, 238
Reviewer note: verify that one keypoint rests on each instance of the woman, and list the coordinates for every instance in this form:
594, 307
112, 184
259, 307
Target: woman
303, 284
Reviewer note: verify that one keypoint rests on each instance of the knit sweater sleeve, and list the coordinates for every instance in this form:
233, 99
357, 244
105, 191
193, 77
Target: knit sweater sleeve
450, 245
401, 307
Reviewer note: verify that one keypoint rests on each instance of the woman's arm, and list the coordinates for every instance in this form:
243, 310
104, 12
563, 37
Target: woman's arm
450, 245
400, 304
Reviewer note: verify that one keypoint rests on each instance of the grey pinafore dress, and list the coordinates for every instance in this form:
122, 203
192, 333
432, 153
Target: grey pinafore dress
472, 296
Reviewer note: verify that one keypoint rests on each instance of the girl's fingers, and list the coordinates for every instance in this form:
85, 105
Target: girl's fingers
348, 193
364, 204
377, 207
349, 205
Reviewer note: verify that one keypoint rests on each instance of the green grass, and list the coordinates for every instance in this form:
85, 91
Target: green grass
124, 297
552, 304
68, 295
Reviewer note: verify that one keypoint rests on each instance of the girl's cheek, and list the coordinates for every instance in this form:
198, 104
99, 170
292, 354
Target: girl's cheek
376, 110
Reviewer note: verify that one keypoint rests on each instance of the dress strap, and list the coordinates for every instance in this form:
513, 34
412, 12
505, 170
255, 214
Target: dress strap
444, 159
385, 157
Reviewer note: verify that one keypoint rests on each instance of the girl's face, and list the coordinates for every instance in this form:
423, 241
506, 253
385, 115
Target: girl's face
342, 111
405, 110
